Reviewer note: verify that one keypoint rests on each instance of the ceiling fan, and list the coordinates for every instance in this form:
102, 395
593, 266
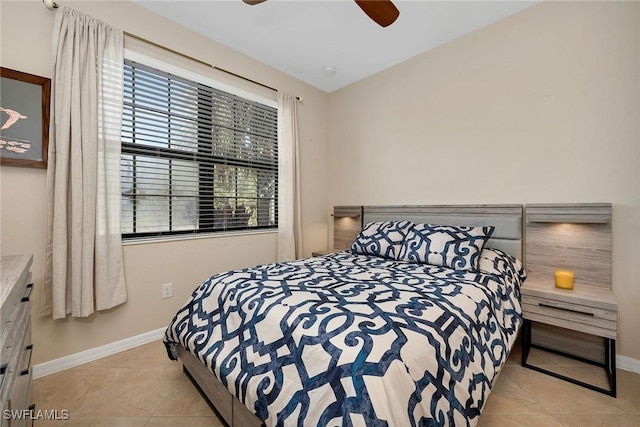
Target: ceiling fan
382, 12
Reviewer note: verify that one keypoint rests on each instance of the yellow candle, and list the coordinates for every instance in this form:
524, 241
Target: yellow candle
564, 279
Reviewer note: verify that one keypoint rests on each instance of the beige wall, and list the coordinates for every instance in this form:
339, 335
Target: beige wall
540, 107
26, 28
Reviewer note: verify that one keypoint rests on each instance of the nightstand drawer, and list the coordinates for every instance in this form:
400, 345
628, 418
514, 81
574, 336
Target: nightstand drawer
576, 317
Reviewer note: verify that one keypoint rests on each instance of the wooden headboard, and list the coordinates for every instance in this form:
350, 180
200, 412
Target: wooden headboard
575, 236
347, 223
507, 219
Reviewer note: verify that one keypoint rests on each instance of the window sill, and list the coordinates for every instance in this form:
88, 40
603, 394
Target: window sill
152, 240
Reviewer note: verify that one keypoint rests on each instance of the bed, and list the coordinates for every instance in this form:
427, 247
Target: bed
390, 333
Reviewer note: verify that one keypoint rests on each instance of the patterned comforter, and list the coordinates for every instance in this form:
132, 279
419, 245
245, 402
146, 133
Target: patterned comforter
353, 340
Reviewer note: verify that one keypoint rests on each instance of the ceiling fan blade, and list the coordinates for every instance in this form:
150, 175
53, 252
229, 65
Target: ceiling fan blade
383, 12
252, 2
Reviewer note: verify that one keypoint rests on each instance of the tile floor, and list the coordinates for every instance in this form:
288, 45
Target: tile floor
142, 387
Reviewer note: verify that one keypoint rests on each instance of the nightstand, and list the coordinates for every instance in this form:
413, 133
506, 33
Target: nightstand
585, 309
324, 252
576, 322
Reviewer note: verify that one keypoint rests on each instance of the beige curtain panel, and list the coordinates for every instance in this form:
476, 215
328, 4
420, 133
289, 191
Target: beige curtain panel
83, 254
289, 214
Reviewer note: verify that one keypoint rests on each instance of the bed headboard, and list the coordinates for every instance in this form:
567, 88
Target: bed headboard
507, 220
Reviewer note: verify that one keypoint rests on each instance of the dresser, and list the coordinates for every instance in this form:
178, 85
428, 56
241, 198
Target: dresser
15, 340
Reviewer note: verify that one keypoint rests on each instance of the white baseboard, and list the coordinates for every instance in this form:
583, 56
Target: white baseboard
628, 364
66, 362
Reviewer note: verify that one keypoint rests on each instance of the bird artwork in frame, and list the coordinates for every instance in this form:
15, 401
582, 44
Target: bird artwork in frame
24, 118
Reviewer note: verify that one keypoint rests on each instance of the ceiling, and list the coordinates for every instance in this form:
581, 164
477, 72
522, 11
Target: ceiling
304, 37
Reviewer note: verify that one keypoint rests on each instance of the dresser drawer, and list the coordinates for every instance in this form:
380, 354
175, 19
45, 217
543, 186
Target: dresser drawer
11, 314
14, 330
20, 291
22, 388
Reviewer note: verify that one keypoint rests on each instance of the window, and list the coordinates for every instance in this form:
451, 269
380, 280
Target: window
194, 158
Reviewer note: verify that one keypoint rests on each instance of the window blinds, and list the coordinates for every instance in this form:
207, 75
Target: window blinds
194, 158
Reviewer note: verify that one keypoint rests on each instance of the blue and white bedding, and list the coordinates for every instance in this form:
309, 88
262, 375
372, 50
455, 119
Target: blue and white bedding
355, 340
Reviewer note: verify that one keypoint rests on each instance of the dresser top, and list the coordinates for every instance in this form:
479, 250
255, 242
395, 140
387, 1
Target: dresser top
12, 267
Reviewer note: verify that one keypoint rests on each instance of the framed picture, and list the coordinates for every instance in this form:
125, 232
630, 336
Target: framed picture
24, 118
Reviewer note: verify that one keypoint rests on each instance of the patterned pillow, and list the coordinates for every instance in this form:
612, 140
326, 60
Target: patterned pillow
500, 263
456, 247
381, 238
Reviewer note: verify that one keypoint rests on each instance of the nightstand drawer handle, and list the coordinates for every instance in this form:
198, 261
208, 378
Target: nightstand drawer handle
565, 309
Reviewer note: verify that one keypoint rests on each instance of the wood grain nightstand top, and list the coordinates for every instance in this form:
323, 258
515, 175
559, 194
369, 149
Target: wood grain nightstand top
589, 309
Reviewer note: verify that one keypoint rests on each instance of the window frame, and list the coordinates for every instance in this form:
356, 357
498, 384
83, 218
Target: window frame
174, 154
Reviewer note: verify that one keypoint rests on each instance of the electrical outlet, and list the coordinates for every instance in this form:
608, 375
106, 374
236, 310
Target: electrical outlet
167, 290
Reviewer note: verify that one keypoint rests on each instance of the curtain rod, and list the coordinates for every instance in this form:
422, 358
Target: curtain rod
52, 5
199, 61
